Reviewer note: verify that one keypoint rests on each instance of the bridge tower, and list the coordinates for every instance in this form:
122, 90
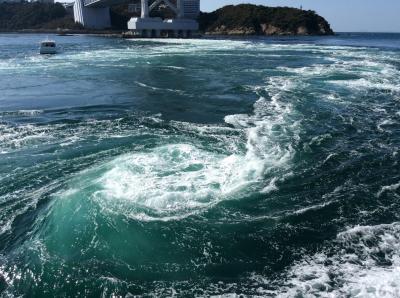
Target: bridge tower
180, 8
186, 11
91, 17
95, 14
145, 9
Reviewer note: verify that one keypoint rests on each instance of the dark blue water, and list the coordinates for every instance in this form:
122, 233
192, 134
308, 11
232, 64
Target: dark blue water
264, 167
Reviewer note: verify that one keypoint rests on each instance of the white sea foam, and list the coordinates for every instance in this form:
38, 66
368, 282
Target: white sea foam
14, 138
387, 122
271, 186
370, 83
329, 157
365, 264
159, 89
369, 72
30, 112
268, 145
175, 67
5, 225
170, 180
314, 207
388, 188
318, 140
4, 275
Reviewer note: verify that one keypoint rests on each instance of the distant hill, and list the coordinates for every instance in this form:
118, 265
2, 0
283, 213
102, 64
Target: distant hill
17, 16
248, 19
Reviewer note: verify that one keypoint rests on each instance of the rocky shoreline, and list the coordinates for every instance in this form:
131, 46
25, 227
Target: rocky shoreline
266, 30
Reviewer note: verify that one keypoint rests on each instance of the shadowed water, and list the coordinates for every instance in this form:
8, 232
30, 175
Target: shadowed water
204, 167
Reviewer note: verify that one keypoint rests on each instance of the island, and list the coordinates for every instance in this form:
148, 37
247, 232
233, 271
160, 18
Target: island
248, 19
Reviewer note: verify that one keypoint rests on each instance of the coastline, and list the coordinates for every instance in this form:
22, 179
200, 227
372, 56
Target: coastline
106, 33
127, 35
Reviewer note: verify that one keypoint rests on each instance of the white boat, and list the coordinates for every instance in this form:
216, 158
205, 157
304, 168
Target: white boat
48, 47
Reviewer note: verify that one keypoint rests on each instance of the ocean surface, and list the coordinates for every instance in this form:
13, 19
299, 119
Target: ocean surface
262, 167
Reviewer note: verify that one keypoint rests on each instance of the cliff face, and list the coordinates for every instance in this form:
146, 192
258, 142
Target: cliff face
247, 19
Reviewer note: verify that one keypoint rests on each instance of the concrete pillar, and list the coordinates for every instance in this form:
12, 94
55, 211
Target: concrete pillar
78, 12
145, 9
181, 10
92, 17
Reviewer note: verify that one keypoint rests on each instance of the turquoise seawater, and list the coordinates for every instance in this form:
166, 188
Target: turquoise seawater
262, 167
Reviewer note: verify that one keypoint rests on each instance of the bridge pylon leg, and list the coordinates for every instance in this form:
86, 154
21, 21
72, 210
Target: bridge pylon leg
146, 33
92, 17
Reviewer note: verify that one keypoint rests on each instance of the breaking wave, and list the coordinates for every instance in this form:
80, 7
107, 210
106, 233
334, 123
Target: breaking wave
363, 262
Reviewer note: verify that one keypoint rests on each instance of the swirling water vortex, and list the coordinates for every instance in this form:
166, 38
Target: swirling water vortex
200, 167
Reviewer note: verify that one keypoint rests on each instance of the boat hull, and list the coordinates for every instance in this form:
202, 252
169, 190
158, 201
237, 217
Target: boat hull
48, 51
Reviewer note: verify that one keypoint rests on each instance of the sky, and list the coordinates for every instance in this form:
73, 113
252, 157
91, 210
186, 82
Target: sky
343, 15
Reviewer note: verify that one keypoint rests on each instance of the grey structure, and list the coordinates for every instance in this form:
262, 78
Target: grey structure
90, 17
191, 8
44, 1
95, 14
182, 26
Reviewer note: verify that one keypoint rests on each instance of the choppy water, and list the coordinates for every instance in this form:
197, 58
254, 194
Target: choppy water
200, 167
